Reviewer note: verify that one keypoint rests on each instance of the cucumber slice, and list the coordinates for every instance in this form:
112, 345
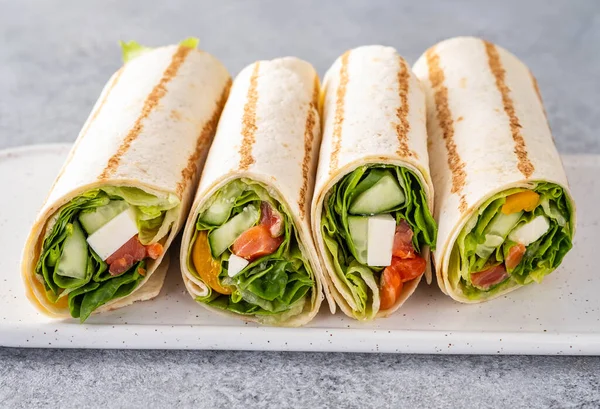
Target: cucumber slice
359, 226
496, 232
73, 260
502, 224
220, 239
92, 220
220, 208
379, 198
492, 242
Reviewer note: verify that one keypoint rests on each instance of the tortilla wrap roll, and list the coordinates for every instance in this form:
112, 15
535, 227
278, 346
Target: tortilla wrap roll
246, 249
100, 239
506, 215
373, 199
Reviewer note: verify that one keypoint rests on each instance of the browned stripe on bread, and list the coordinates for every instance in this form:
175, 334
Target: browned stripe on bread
539, 95
204, 139
157, 93
175, 115
524, 164
86, 128
536, 87
249, 121
444, 117
308, 145
339, 113
403, 126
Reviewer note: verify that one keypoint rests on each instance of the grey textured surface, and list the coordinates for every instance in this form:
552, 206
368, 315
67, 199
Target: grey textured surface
54, 59
141, 379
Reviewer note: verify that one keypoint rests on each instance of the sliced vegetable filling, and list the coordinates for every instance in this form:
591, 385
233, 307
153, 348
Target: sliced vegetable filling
245, 249
97, 246
517, 237
375, 225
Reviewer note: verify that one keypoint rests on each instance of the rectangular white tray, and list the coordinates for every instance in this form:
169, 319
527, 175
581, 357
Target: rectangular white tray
560, 316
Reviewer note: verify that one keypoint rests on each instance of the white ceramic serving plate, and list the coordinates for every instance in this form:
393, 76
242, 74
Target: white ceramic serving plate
560, 316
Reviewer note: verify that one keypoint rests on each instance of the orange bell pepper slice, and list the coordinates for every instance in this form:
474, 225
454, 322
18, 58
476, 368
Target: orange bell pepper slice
526, 200
208, 268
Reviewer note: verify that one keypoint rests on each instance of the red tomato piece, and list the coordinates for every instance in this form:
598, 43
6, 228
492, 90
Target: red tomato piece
408, 268
133, 247
120, 265
489, 277
272, 219
130, 253
515, 255
403, 246
256, 242
390, 286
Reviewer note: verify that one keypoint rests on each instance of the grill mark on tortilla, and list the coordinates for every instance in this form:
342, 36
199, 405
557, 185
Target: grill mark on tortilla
536, 87
309, 137
539, 95
175, 115
339, 113
403, 126
249, 121
444, 116
524, 164
86, 128
157, 93
204, 139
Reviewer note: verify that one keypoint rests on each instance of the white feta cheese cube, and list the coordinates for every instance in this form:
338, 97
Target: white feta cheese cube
236, 264
530, 232
380, 240
110, 237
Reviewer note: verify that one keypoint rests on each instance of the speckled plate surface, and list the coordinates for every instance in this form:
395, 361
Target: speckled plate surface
561, 316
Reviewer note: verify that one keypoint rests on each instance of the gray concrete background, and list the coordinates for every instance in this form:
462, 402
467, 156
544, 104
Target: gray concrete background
55, 57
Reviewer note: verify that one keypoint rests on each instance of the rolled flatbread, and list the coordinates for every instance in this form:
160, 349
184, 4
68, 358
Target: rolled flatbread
246, 249
506, 215
373, 199
100, 239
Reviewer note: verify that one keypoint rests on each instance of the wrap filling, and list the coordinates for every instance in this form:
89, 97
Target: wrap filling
97, 246
518, 236
375, 225
246, 250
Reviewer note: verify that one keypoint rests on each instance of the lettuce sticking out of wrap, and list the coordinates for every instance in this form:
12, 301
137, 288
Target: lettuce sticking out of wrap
518, 236
245, 249
376, 190
132, 49
69, 265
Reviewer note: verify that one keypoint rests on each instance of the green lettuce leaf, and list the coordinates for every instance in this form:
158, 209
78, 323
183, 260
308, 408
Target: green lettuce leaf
276, 286
84, 300
53, 243
360, 281
132, 49
190, 42
154, 215
541, 257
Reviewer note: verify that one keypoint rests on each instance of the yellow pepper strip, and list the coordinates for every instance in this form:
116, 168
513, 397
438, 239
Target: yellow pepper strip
208, 268
526, 200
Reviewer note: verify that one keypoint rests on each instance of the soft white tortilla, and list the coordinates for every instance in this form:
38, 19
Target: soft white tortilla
150, 129
475, 152
373, 113
269, 132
